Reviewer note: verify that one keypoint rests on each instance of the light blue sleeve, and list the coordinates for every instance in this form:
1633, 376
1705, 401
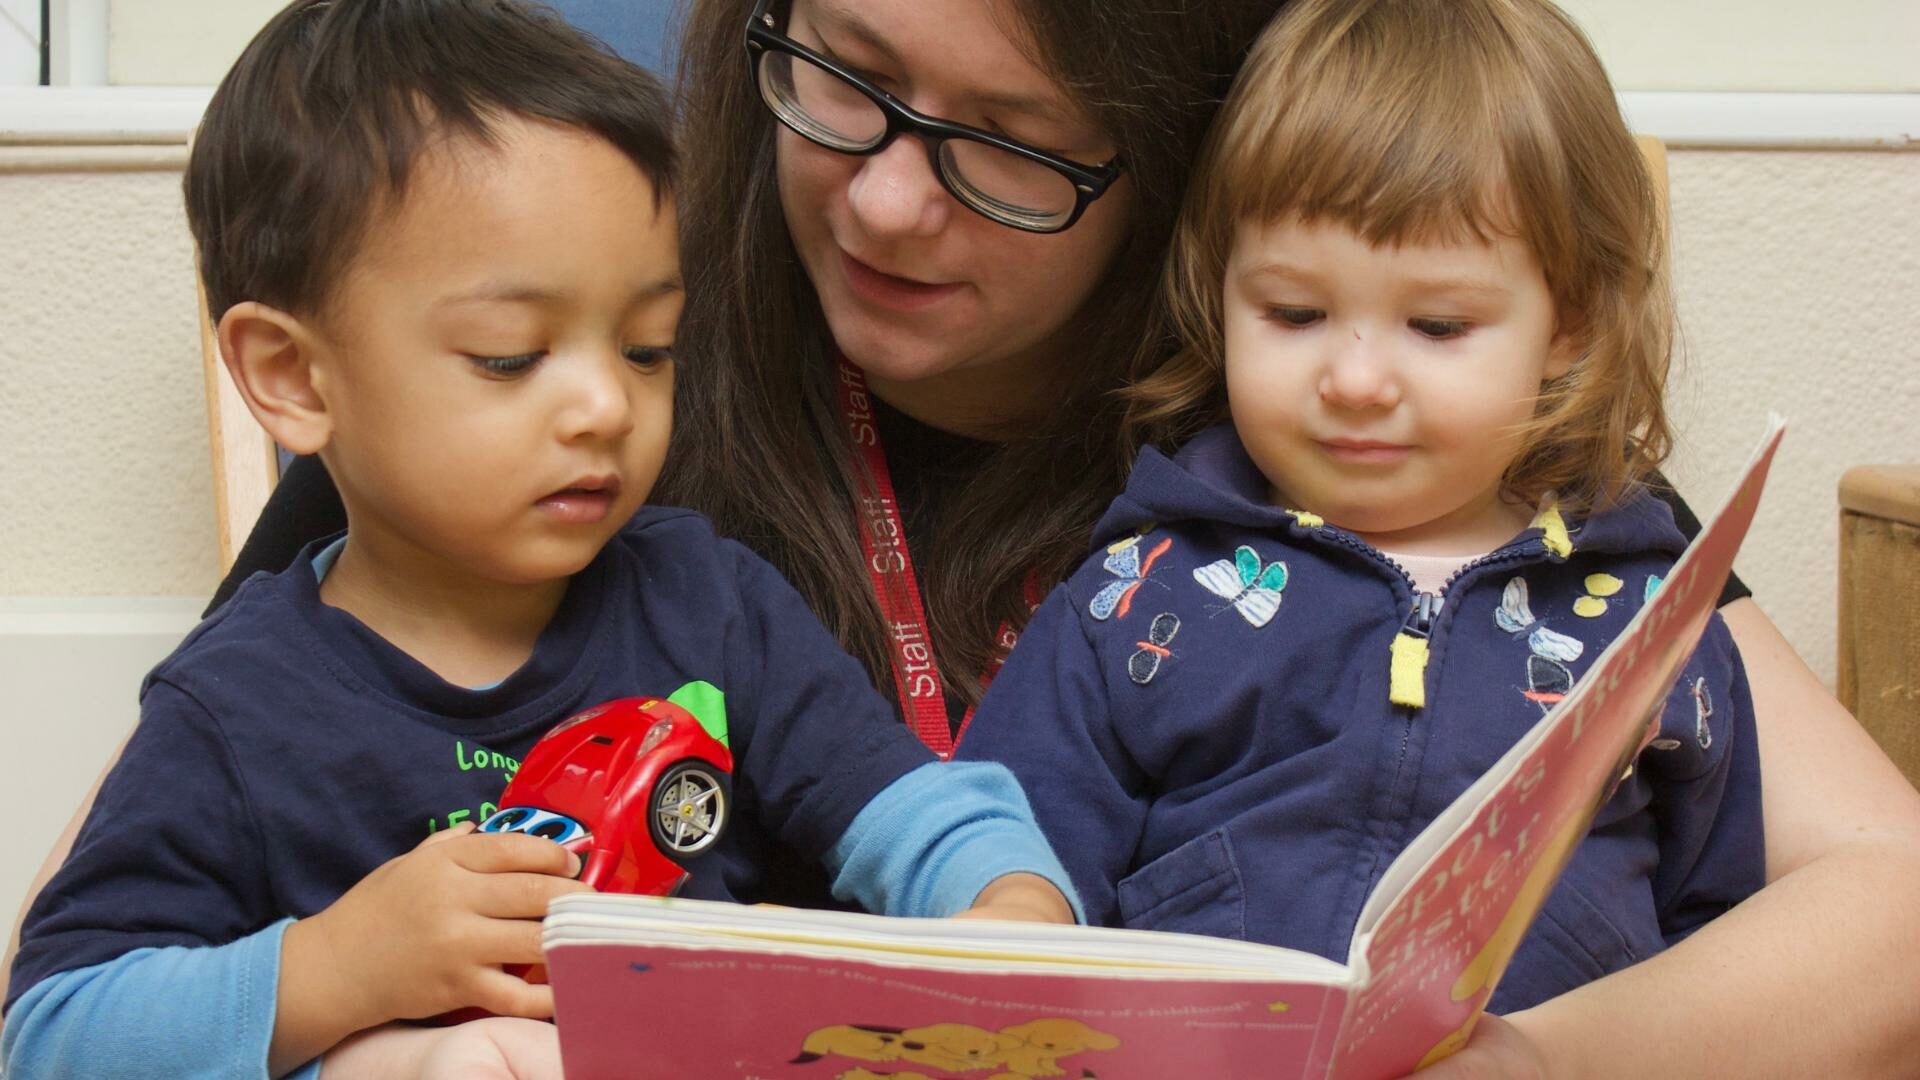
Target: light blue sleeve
931, 840
177, 1012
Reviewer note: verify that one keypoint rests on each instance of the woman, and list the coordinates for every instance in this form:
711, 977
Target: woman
985, 313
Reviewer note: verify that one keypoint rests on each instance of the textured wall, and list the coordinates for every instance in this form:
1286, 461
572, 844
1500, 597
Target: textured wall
1798, 277
1799, 287
104, 485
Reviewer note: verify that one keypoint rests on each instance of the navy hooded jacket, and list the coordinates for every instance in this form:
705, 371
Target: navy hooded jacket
1201, 718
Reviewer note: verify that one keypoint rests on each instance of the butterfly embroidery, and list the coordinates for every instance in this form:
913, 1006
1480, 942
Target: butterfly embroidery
1124, 562
1253, 589
1548, 679
1145, 663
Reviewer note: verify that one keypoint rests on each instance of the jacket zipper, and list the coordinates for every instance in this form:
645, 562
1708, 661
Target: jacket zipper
1410, 651
1411, 647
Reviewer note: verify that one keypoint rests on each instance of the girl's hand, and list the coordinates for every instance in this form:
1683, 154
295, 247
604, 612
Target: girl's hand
424, 934
1499, 1050
1022, 897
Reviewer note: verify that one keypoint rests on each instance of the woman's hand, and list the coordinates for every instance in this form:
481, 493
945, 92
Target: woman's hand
497, 1048
1499, 1050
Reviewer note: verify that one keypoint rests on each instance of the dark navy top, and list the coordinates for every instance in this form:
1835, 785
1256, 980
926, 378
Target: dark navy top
285, 750
1209, 742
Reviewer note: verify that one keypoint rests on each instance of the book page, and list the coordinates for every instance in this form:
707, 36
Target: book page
1438, 932
955, 944
729, 1011
796, 994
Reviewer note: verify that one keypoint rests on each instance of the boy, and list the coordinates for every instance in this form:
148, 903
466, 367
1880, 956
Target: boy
439, 244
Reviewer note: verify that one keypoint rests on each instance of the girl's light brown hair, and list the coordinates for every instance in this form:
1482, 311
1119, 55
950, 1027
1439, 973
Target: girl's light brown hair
1416, 120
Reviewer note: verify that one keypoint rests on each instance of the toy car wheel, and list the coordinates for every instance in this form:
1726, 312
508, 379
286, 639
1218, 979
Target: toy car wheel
689, 809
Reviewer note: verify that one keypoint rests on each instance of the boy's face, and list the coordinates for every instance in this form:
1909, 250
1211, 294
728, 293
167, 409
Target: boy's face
1380, 387
496, 359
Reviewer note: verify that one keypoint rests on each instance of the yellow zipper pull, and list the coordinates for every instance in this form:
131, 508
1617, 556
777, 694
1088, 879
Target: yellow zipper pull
1407, 679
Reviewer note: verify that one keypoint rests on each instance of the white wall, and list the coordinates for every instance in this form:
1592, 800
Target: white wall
69, 669
1861, 45
180, 42
1798, 277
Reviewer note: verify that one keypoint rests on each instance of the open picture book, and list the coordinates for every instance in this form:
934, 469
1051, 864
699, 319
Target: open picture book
665, 988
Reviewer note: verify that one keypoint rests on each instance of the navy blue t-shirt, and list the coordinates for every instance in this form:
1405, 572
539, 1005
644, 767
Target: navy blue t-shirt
285, 750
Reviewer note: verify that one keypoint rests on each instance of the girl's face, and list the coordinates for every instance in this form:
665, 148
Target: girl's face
952, 316
1381, 387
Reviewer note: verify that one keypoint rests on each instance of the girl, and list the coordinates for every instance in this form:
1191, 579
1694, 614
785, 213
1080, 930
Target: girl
1422, 273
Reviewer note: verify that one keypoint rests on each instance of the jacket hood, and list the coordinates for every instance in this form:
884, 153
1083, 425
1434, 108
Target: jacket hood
1211, 478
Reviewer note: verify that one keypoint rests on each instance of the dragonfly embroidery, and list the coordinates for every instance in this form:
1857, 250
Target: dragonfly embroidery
1125, 563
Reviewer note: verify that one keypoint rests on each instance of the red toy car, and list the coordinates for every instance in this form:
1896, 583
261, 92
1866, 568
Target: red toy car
635, 787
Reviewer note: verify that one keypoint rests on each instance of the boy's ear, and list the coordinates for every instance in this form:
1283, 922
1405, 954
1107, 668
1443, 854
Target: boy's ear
270, 355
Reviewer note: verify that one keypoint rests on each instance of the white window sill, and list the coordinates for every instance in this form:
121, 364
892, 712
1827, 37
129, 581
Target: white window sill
152, 115
167, 115
1703, 120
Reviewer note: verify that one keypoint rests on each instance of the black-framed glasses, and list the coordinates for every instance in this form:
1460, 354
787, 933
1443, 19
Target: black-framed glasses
1001, 179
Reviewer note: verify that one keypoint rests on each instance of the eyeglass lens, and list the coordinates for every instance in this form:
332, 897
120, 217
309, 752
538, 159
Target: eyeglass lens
828, 110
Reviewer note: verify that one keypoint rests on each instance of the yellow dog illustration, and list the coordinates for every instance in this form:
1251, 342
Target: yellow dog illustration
1020, 1052
955, 1047
857, 1041
947, 1047
1045, 1042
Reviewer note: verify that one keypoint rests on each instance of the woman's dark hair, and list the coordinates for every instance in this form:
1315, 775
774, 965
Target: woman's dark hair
324, 114
757, 444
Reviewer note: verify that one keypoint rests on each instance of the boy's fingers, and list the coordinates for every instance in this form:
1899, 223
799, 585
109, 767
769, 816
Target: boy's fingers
510, 995
504, 941
441, 836
519, 895
501, 853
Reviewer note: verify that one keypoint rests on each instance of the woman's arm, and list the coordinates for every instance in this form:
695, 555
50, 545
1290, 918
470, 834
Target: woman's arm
61, 845
1812, 976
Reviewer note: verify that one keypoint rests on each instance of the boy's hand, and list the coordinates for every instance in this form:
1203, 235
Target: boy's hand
425, 933
1025, 897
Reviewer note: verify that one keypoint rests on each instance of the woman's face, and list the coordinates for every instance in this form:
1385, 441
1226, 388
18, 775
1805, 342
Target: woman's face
951, 315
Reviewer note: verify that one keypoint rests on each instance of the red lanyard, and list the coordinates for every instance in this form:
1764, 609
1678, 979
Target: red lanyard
916, 676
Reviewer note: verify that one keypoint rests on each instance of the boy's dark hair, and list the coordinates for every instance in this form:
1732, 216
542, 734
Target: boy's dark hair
324, 114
